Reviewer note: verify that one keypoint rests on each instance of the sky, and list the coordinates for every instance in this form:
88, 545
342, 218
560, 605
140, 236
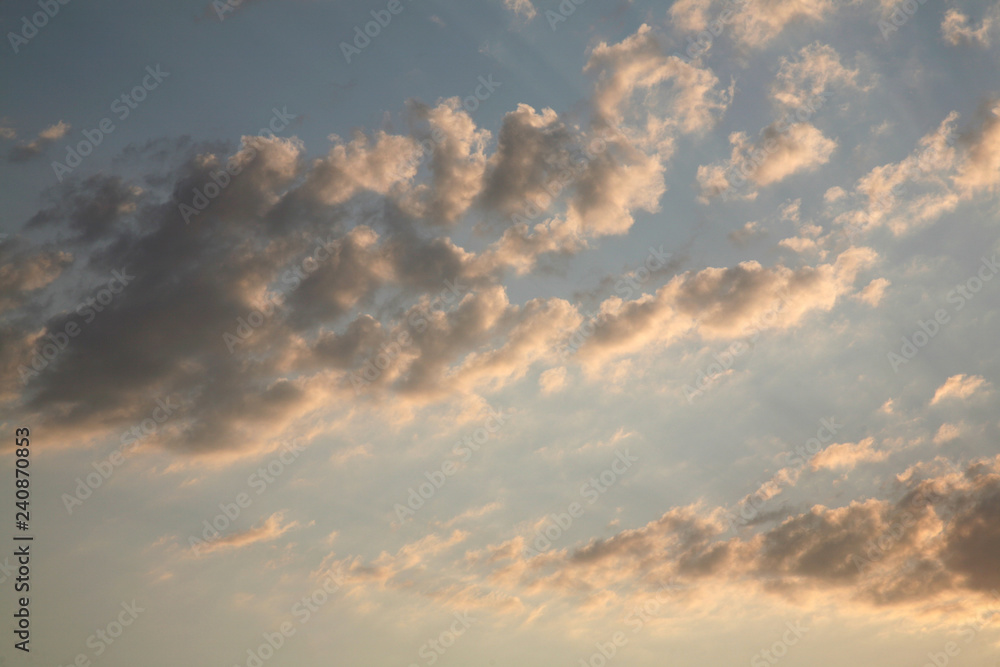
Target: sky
510, 332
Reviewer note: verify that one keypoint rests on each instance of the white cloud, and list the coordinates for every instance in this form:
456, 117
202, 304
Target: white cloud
960, 387
816, 70
553, 380
522, 8
872, 293
956, 28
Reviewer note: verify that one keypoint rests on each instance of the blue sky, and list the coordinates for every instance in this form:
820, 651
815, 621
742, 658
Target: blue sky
637, 356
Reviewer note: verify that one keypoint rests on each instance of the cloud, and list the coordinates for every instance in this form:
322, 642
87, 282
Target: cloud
529, 145
199, 273
721, 303
391, 569
836, 193
816, 70
457, 162
342, 456
24, 272
536, 329
928, 543
305, 236
758, 22
956, 28
578, 184
26, 151
781, 151
753, 24
747, 233
472, 513
521, 245
802, 148
54, 132
848, 455
792, 210
381, 166
611, 187
358, 265
89, 209
552, 380
799, 244
271, 529
873, 292
522, 8
352, 247
980, 169
639, 63
961, 387
945, 169
690, 15
807, 233
873, 554
947, 433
